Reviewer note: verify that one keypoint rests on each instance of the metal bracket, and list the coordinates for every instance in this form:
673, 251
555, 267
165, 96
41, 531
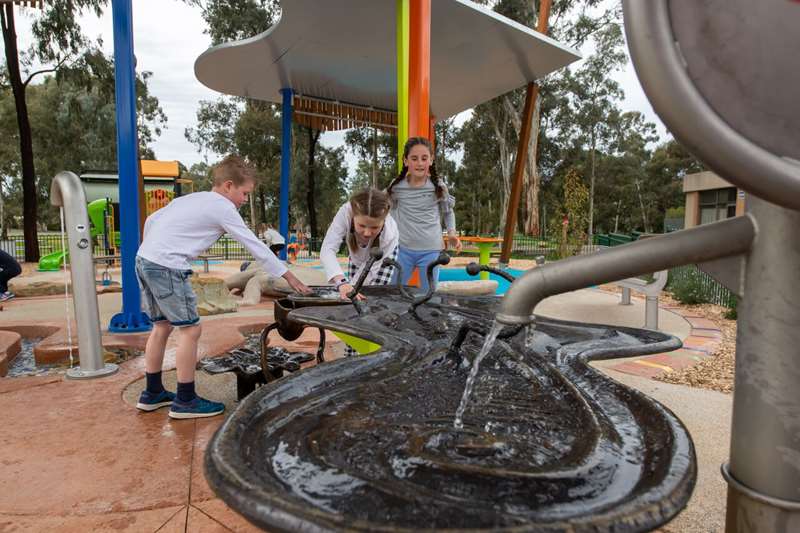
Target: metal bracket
729, 271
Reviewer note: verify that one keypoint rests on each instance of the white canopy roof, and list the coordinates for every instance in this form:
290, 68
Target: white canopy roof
345, 50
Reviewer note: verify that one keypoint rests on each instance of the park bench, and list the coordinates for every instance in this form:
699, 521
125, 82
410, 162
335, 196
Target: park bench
651, 290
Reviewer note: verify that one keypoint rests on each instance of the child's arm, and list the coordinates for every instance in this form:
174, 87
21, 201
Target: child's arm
233, 224
450, 222
337, 232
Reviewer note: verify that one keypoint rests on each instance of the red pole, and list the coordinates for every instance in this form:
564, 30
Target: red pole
419, 71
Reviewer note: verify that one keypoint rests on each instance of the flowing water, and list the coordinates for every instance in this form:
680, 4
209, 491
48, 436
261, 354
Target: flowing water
473, 374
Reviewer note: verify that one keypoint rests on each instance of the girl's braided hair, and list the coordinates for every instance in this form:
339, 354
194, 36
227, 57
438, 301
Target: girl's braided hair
370, 202
411, 143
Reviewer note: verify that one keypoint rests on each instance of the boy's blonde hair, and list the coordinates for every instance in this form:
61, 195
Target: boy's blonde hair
233, 168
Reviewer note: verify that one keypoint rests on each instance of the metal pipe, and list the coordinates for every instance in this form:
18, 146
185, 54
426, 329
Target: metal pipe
375, 253
702, 243
398, 276
473, 269
443, 259
689, 116
765, 435
66, 192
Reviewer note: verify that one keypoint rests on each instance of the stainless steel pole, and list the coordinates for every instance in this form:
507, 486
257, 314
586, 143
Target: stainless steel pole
66, 191
764, 471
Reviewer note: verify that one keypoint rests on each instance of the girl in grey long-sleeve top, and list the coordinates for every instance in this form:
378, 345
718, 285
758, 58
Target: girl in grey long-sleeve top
420, 204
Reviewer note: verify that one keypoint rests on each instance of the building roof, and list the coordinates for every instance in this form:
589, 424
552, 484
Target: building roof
345, 51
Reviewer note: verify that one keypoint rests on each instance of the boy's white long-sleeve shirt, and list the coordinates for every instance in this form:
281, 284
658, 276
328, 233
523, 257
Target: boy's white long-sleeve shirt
337, 233
190, 224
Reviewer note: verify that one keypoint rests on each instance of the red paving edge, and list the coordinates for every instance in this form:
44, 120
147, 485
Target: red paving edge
703, 340
77, 458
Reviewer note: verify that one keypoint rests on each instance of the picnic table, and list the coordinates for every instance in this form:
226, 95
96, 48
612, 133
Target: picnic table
484, 245
205, 258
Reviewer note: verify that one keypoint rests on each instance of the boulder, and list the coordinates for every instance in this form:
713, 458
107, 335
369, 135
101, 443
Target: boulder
213, 297
482, 287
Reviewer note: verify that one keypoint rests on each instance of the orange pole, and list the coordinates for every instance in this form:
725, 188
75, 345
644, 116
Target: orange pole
419, 70
432, 133
531, 95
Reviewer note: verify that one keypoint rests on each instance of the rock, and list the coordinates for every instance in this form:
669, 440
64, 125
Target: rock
483, 287
213, 297
254, 282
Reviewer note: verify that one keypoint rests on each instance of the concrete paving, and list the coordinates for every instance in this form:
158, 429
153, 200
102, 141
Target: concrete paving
77, 456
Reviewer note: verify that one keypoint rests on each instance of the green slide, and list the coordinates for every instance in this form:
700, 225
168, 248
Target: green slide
52, 262
96, 210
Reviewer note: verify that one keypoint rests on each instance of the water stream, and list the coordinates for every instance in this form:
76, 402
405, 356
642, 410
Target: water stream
473, 374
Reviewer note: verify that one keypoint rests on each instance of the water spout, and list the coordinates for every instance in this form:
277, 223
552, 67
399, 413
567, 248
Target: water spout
443, 259
473, 269
375, 254
703, 243
66, 191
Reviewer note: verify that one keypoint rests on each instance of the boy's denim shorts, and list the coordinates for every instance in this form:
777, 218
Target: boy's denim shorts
166, 293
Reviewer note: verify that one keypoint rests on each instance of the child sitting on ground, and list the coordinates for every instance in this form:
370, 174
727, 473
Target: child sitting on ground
173, 235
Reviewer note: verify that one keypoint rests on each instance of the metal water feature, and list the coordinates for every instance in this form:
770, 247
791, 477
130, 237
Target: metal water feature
367, 443
66, 192
733, 103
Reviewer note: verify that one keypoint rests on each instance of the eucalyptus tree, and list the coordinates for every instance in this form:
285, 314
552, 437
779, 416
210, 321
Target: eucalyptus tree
72, 121
57, 42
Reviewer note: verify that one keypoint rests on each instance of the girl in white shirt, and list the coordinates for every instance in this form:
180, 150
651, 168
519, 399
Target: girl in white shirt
362, 222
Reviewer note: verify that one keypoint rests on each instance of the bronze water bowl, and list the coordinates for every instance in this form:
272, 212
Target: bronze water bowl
368, 443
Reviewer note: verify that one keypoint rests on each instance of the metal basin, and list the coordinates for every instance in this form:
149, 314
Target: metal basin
368, 443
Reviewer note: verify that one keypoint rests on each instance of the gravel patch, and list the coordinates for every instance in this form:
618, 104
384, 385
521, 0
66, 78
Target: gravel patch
716, 371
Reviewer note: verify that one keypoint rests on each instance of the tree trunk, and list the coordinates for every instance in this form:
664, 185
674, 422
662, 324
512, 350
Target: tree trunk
313, 137
25, 137
499, 124
591, 189
532, 178
262, 203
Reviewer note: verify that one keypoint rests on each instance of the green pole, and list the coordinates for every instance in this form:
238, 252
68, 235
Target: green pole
402, 78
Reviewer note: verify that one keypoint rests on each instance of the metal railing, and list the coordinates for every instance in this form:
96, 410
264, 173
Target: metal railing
707, 289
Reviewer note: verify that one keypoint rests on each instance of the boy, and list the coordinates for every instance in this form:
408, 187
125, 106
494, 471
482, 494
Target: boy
173, 235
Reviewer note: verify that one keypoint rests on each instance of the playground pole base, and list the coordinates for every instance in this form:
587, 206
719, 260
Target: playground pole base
77, 373
130, 323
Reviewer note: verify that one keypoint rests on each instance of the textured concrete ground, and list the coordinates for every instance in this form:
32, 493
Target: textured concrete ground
78, 457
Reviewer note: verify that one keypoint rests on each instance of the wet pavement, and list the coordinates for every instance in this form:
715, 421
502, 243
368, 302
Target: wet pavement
77, 456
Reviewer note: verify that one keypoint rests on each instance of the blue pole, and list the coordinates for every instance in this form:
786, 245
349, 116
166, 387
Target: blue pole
286, 164
131, 319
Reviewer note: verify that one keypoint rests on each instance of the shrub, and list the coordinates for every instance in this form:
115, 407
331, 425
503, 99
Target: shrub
731, 313
688, 290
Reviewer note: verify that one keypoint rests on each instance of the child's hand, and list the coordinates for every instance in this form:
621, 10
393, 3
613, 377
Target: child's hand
345, 289
454, 243
296, 284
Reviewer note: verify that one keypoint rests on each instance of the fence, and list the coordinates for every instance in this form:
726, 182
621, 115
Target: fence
225, 246
706, 288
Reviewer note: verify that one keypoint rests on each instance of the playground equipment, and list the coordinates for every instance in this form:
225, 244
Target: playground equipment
66, 192
732, 102
368, 443
101, 217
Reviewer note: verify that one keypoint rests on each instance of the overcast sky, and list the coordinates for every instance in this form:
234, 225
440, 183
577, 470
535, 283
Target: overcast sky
168, 37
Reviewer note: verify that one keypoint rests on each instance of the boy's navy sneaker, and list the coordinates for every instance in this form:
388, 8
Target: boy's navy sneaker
197, 408
150, 401
6, 296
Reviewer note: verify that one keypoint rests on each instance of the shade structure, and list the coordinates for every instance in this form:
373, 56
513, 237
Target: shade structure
345, 51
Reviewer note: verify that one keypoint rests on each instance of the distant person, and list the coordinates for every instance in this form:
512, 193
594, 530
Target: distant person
421, 204
9, 268
272, 238
173, 236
